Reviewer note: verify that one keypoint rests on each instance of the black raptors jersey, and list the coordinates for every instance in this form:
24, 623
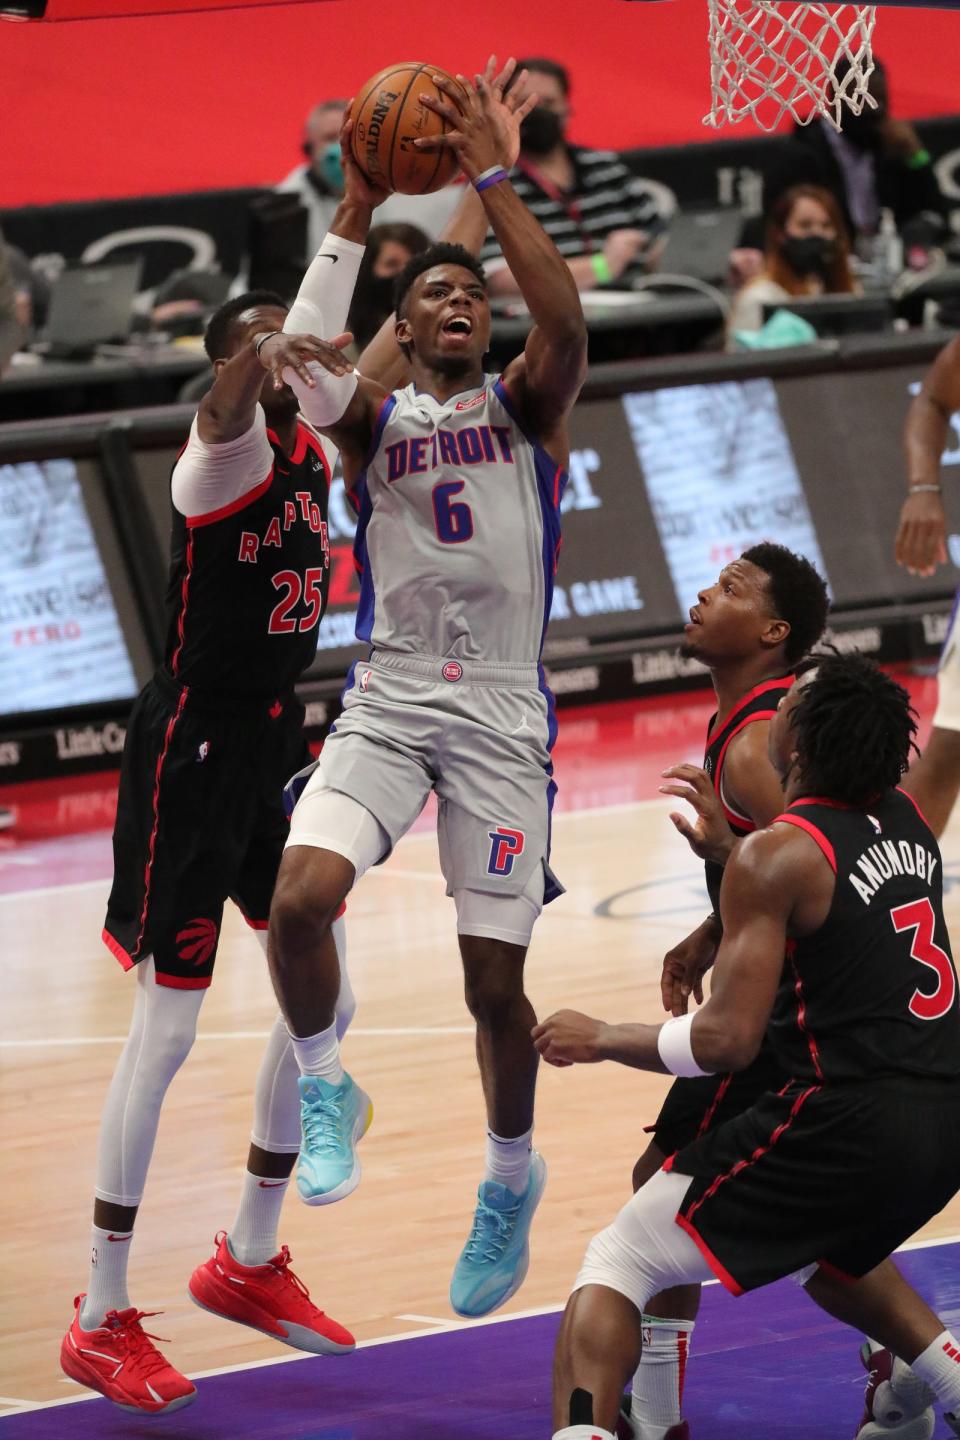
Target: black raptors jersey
248, 584
759, 704
874, 991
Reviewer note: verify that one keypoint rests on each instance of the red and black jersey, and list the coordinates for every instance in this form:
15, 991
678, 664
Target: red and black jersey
874, 991
759, 704
248, 583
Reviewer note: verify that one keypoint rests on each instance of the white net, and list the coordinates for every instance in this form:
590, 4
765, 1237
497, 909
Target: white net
769, 59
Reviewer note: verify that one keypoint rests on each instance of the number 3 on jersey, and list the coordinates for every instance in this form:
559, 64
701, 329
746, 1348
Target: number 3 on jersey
918, 916
292, 587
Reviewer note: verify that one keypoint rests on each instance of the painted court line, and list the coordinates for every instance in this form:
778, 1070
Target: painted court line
358, 1033
617, 808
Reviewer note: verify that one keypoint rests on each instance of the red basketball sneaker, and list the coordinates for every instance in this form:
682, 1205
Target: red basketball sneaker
897, 1404
119, 1360
269, 1298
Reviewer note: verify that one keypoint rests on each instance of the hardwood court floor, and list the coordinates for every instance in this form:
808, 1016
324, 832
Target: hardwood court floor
380, 1262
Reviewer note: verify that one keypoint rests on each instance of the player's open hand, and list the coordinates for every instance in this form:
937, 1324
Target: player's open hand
711, 837
356, 185
282, 352
685, 966
569, 1038
921, 543
484, 126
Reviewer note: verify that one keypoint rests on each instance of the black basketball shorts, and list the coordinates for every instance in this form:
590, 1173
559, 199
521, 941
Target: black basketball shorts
693, 1107
200, 819
834, 1174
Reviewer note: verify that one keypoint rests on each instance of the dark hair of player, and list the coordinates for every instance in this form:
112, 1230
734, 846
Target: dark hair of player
853, 727
798, 594
218, 336
440, 254
544, 67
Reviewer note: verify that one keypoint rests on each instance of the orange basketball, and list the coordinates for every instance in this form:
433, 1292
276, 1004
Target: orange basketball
388, 116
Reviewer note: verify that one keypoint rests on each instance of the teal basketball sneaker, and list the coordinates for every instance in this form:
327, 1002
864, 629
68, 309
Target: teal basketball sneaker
333, 1118
494, 1261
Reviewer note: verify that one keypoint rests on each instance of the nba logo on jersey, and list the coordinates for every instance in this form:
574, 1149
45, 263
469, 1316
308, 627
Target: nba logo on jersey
364, 682
203, 750
876, 824
505, 846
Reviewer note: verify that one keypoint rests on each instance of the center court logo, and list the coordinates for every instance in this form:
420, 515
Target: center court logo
452, 671
197, 941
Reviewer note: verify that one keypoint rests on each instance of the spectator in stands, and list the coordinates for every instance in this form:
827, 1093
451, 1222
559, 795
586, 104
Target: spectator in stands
807, 253
592, 207
389, 247
876, 163
318, 183
12, 314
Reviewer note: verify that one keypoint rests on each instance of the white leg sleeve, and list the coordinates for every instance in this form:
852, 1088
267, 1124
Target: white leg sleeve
276, 1104
329, 820
162, 1032
644, 1251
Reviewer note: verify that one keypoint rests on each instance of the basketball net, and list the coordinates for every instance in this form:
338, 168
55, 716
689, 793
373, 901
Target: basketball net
768, 60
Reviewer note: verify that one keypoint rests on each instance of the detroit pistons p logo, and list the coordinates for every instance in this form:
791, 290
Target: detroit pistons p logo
505, 846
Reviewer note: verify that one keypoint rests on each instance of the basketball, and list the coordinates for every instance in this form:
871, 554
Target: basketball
388, 116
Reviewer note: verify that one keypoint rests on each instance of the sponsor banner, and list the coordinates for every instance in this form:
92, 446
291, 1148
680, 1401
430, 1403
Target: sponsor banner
629, 672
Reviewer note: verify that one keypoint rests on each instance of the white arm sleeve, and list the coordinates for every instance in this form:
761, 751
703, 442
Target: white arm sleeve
326, 291
326, 404
207, 477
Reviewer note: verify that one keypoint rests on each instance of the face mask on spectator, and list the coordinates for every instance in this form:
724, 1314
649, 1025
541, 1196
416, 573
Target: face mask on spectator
541, 131
808, 254
329, 166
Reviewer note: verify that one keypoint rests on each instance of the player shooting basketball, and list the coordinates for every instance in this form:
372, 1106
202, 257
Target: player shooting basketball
211, 742
457, 481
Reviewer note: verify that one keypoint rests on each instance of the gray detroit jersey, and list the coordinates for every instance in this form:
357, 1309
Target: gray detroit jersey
458, 529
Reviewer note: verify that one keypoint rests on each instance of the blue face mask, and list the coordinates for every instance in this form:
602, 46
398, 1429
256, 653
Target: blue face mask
330, 166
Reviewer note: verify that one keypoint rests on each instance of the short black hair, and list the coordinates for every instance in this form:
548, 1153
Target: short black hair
854, 730
439, 254
798, 594
545, 67
218, 335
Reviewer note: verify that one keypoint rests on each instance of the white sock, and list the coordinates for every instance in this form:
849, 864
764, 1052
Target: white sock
906, 1395
939, 1366
253, 1235
508, 1161
583, 1432
319, 1054
107, 1290
658, 1383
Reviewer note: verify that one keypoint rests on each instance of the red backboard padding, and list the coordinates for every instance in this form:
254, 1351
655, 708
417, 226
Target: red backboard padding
197, 101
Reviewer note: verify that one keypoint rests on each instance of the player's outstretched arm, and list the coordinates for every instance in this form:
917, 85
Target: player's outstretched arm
546, 380
383, 360
921, 543
763, 880
341, 404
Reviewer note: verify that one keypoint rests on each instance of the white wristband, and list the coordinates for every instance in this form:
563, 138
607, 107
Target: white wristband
675, 1049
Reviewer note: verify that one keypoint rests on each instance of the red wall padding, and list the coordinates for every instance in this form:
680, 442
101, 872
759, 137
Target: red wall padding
198, 101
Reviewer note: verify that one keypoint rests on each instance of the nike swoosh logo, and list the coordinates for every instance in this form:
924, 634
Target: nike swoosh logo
324, 256
121, 1239
272, 1184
